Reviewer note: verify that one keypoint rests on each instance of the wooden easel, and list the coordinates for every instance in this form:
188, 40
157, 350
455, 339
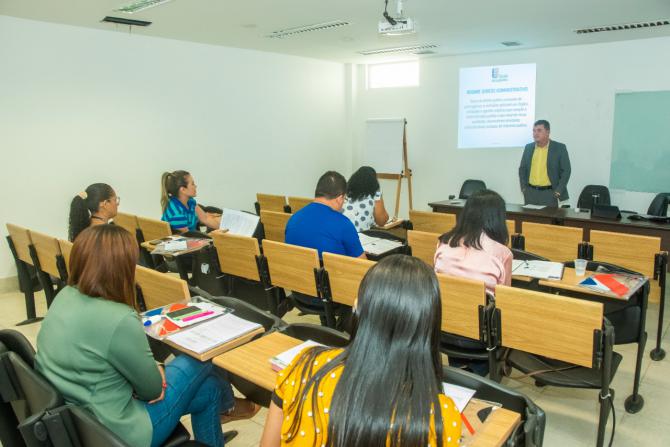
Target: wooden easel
406, 173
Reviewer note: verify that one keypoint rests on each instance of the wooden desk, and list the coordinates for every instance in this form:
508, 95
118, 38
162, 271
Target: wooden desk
252, 362
571, 217
218, 350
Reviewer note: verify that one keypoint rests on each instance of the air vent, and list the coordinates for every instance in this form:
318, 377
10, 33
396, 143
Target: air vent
140, 5
623, 26
124, 21
416, 49
290, 32
511, 43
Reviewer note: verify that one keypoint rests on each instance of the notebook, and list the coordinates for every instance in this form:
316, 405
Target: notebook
212, 333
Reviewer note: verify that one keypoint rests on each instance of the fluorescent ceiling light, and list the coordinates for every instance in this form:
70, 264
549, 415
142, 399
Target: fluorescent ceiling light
306, 29
140, 5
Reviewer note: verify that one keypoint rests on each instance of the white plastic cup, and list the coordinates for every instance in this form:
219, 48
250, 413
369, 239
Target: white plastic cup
580, 266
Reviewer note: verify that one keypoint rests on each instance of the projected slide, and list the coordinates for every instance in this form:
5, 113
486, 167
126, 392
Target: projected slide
496, 106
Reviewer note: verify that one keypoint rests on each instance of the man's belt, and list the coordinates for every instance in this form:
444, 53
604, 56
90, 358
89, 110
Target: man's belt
540, 188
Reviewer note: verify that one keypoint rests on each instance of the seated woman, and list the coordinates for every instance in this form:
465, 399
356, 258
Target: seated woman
180, 210
387, 384
93, 349
476, 247
98, 204
363, 203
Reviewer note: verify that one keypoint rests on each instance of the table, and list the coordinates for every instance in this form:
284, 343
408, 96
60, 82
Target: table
182, 268
573, 218
252, 362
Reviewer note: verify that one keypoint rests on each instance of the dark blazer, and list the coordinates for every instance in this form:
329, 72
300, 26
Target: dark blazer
558, 167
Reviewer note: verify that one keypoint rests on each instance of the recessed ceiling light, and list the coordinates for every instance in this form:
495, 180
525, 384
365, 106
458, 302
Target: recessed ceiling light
140, 5
289, 32
622, 26
416, 49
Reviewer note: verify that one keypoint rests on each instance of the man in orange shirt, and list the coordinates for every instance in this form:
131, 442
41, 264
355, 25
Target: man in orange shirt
545, 169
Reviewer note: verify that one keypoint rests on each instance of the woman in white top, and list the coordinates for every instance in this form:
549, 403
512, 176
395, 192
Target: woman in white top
364, 204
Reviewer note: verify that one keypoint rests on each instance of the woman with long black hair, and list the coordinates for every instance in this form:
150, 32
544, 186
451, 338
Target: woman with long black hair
476, 247
384, 389
96, 205
363, 204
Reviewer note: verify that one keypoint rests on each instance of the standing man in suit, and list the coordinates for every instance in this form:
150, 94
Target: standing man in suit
545, 169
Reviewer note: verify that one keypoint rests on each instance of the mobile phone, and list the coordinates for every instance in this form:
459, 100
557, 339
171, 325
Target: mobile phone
177, 314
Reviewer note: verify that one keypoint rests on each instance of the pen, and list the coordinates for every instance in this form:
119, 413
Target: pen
193, 317
467, 424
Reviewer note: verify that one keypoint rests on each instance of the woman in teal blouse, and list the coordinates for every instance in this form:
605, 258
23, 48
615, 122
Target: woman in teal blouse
93, 349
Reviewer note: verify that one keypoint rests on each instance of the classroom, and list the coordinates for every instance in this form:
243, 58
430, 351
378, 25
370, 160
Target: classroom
210, 88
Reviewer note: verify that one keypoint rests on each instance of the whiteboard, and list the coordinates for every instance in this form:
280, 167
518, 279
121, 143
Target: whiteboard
383, 145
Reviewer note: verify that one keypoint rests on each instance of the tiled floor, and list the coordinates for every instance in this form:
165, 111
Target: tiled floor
571, 414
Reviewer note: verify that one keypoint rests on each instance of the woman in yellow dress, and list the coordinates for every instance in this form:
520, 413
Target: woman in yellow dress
385, 388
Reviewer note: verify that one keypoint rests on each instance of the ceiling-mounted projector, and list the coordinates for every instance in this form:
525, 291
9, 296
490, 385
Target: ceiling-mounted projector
402, 26
395, 26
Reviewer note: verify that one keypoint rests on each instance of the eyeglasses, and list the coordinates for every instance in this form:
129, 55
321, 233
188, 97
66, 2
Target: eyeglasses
118, 200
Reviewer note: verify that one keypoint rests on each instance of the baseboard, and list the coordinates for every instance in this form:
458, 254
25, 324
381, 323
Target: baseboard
9, 284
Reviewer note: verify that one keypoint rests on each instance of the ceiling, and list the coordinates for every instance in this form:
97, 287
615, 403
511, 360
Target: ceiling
456, 26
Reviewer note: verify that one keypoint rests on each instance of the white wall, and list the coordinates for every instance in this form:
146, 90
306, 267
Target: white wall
575, 92
79, 106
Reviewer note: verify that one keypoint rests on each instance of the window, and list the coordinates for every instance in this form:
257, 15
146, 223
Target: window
399, 74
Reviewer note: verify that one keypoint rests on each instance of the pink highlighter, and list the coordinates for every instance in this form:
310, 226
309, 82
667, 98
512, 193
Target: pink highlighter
200, 315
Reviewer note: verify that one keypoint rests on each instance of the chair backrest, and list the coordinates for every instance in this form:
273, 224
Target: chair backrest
21, 239
237, 254
432, 222
271, 202
16, 342
153, 228
630, 251
65, 249
296, 203
461, 298
344, 276
470, 187
554, 242
549, 325
128, 222
75, 426
38, 394
160, 289
274, 224
511, 230
48, 251
292, 267
659, 206
423, 245
586, 197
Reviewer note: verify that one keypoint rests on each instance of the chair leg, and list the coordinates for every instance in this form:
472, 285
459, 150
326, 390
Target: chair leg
604, 415
28, 294
635, 401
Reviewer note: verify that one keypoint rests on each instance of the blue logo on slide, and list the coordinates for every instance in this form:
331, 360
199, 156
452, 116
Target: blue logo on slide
494, 72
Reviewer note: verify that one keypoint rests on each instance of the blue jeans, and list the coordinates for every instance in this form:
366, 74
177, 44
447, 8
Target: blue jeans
193, 388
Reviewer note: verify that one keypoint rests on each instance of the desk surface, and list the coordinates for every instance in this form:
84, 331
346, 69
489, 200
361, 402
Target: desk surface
570, 281
252, 362
563, 214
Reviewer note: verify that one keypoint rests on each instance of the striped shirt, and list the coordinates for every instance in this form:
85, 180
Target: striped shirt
180, 216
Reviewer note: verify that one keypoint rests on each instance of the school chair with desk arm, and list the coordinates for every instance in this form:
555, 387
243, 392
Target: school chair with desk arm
45, 253
554, 242
297, 203
431, 222
423, 245
627, 317
559, 341
21, 246
640, 254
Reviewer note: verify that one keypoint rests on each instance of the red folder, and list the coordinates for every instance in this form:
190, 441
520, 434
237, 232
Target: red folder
612, 284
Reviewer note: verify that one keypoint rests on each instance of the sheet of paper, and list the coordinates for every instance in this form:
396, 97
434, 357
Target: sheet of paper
376, 245
239, 222
533, 207
537, 269
459, 394
213, 333
282, 360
